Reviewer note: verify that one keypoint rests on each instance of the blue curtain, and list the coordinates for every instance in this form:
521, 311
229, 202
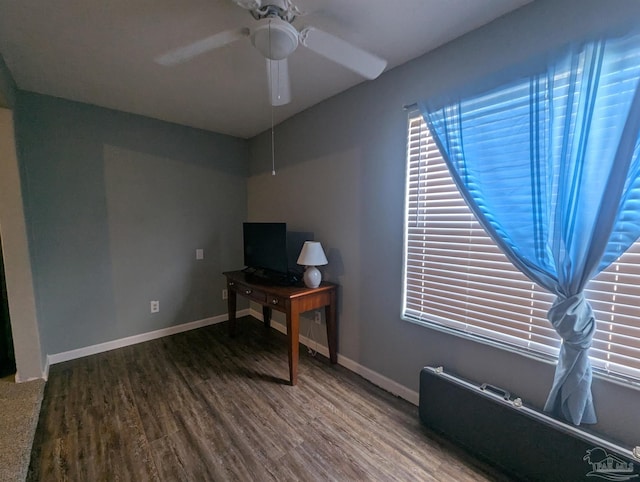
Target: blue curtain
549, 165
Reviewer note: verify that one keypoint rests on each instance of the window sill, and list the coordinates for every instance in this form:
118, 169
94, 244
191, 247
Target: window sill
599, 373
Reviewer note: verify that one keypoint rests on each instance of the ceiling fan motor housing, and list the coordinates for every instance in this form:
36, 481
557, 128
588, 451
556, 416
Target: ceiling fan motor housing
275, 38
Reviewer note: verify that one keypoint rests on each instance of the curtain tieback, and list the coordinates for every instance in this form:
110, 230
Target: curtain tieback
574, 320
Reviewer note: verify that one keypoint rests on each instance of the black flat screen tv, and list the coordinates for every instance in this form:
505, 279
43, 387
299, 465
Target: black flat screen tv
265, 248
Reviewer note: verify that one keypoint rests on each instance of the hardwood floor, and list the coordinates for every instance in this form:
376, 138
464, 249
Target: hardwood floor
201, 406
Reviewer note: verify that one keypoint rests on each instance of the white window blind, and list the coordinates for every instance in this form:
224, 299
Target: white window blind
456, 277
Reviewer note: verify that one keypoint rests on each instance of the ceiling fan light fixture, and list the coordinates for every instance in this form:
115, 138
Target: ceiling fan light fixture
275, 38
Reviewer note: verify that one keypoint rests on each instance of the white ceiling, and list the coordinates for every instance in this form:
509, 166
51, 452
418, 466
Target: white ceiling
102, 52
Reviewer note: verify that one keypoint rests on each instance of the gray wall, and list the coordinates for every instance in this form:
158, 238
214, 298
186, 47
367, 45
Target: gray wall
116, 205
342, 175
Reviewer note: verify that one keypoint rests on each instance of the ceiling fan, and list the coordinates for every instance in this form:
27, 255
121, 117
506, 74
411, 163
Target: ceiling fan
276, 38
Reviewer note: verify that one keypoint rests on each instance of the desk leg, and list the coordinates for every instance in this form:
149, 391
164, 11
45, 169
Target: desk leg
330, 312
293, 332
231, 307
266, 316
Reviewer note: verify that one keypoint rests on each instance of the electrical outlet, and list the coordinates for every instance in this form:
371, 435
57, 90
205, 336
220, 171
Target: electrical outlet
224, 294
317, 317
199, 253
155, 306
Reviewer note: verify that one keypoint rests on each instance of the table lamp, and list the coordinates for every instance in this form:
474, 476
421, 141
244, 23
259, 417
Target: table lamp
311, 256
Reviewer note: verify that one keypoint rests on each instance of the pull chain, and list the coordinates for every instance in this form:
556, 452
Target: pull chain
273, 146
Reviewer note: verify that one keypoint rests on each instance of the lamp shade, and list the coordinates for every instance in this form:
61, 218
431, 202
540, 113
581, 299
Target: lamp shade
312, 254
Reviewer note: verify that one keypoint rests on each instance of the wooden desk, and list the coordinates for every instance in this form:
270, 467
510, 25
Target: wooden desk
291, 300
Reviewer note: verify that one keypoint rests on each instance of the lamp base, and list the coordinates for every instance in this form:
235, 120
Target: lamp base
312, 277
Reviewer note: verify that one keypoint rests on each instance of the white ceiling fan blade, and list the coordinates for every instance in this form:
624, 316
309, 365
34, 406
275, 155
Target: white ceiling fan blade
342, 52
279, 87
182, 54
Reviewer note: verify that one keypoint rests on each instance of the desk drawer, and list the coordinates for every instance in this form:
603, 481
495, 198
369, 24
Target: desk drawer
248, 291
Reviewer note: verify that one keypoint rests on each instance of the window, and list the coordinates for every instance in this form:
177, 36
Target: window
458, 279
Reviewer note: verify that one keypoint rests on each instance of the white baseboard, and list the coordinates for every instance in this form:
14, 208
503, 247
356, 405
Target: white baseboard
134, 340
20, 380
374, 377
